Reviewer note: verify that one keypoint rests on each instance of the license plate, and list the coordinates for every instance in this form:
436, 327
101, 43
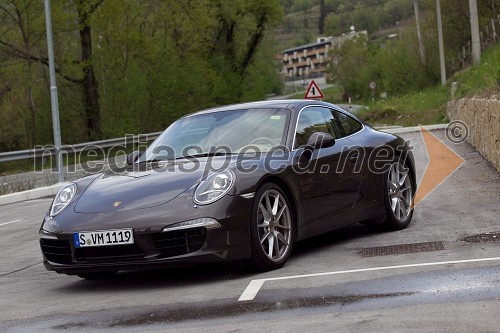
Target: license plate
103, 238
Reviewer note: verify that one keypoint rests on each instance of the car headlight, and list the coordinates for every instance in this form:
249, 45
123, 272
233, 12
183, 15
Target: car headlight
214, 187
62, 199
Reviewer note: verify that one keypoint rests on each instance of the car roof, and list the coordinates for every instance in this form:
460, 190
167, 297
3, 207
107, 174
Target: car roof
291, 104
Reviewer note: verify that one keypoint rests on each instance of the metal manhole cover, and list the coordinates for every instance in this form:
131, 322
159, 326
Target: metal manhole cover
401, 249
483, 238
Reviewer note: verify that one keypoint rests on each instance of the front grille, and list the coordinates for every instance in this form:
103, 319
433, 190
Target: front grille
176, 243
109, 253
57, 251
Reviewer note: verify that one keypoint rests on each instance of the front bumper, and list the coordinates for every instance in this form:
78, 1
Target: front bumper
152, 248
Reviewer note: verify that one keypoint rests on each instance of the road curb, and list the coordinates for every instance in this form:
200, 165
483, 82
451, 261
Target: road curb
401, 130
36, 193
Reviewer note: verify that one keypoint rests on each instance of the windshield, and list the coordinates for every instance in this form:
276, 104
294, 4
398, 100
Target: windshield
224, 132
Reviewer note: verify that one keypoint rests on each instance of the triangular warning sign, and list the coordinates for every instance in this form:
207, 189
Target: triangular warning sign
313, 91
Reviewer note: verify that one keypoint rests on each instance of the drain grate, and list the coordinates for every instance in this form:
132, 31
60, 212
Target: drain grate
401, 249
493, 237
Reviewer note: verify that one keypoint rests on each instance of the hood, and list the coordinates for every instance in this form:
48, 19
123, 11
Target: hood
114, 192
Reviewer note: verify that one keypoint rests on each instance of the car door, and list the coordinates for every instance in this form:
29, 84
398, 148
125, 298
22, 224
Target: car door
327, 181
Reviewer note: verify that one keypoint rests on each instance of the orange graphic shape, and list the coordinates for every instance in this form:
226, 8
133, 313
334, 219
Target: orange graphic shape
443, 161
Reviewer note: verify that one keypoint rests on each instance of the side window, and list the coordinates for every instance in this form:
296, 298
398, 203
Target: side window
313, 120
347, 124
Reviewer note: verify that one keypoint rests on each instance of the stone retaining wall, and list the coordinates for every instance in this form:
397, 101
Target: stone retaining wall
482, 117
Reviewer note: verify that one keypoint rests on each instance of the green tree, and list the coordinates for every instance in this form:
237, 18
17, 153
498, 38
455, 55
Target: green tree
126, 66
18, 40
350, 66
399, 67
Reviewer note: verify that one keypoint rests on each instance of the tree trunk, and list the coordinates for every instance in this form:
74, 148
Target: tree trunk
90, 91
29, 79
322, 15
91, 95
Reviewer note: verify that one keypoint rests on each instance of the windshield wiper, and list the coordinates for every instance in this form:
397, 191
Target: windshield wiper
208, 154
152, 160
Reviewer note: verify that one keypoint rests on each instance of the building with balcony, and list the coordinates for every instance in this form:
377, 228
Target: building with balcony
310, 61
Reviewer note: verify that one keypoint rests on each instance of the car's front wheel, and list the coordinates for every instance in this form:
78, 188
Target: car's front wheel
271, 229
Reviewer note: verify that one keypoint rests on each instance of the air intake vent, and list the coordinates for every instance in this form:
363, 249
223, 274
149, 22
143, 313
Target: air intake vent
56, 251
109, 253
179, 242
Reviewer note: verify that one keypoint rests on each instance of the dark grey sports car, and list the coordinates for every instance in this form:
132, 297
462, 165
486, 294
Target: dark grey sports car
241, 182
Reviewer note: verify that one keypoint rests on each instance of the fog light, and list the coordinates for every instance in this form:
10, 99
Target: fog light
206, 222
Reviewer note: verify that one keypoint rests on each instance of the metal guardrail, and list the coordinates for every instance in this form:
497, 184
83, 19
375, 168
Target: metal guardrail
51, 150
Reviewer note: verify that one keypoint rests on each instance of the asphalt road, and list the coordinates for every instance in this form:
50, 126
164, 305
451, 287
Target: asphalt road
365, 293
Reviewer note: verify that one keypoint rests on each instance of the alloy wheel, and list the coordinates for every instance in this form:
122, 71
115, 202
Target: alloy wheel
274, 225
400, 191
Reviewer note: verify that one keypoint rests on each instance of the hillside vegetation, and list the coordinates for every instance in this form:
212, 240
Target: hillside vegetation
134, 66
429, 106
390, 56
306, 19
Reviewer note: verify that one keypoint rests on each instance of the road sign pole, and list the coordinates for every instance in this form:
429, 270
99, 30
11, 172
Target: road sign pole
474, 26
421, 46
373, 86
53, 94
441, 43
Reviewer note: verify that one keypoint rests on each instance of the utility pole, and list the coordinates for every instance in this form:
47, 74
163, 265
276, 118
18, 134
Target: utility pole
441, 43
474, 28
421, 47
56, 127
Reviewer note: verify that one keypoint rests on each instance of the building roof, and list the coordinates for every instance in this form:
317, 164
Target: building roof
329, 40
307, 46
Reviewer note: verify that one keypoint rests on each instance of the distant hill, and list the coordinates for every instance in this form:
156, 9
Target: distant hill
301, 23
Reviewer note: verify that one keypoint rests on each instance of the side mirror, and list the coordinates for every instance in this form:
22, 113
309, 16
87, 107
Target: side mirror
320, 140
133, 156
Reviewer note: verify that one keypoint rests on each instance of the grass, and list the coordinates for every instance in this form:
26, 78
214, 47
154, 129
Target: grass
425, 107
483, 79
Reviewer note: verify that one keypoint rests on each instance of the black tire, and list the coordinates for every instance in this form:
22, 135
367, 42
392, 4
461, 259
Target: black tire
96, 275
403, 196
284, 224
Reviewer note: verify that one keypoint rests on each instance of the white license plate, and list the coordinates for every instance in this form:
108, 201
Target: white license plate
103, 238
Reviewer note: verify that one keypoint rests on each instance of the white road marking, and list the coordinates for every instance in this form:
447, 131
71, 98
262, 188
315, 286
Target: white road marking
1, 224
251, 291
254, 286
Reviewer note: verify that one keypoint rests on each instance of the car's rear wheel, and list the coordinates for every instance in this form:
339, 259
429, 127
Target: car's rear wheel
271, 229
399, 191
